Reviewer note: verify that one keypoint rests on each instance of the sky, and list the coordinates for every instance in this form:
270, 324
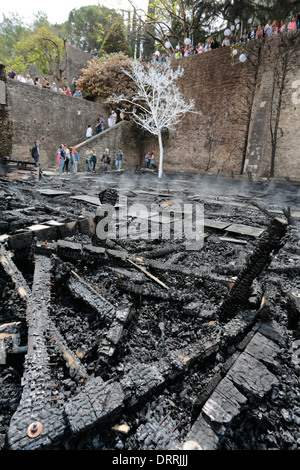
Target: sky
58, 10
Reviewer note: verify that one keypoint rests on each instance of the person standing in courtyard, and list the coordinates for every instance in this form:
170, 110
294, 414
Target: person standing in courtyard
106, 159
152, 161
74, 160
119, 158
88, 155
35, 152
62, 158
147, 160
67, 160
94, 160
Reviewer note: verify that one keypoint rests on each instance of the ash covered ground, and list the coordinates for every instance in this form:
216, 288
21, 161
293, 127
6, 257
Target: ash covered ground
163, 370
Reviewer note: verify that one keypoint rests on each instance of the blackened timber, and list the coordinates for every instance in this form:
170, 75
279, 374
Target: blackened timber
76, 369
270, 241
162, 284
203, 273
108, 344
25, 292
101, 402
35, 404
293, 308
114, 317
161, 252
148, 291
81, 289
15, 275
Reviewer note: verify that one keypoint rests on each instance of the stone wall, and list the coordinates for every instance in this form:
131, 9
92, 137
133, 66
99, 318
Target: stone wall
123, 135
238, 108
54, 119
276, 97
6, 133
47, 116
214, 139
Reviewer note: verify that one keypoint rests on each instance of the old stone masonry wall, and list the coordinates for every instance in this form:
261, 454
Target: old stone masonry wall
47, 116
5, 123
249, 118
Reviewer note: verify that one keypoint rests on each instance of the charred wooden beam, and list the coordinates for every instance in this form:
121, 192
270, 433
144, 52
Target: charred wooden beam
269, 242
25, 293
204, 273
165, 251
115, 318
82, 290
12, 271
148, 291
36, 394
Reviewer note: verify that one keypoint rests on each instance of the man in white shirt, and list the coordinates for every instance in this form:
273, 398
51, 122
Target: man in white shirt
89, 132
21, 78
110, 121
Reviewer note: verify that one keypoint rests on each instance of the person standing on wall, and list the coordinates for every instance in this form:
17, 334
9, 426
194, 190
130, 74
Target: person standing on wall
89, 132
98, 125
35, 152
119, 159
102, 123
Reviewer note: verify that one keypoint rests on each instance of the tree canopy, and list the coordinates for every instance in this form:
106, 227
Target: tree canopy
42, 48
89, 27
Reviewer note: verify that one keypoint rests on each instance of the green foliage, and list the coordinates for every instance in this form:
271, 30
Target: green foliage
42, 48
115, 40
88, 26
11, 29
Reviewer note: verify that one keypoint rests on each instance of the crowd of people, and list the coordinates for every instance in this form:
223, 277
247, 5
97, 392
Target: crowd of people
271, 28
68, 159
66, 90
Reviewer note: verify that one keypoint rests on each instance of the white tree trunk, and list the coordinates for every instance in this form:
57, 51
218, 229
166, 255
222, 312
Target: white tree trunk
161, 155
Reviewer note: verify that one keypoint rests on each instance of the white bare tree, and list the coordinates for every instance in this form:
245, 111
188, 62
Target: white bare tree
158, 103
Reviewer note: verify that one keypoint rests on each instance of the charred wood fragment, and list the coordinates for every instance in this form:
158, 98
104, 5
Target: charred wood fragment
204, 273
293, 308
288, 214
160, 253
148, 291
269, 242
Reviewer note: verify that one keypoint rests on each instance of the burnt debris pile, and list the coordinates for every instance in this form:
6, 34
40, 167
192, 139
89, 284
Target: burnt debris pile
119, 331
